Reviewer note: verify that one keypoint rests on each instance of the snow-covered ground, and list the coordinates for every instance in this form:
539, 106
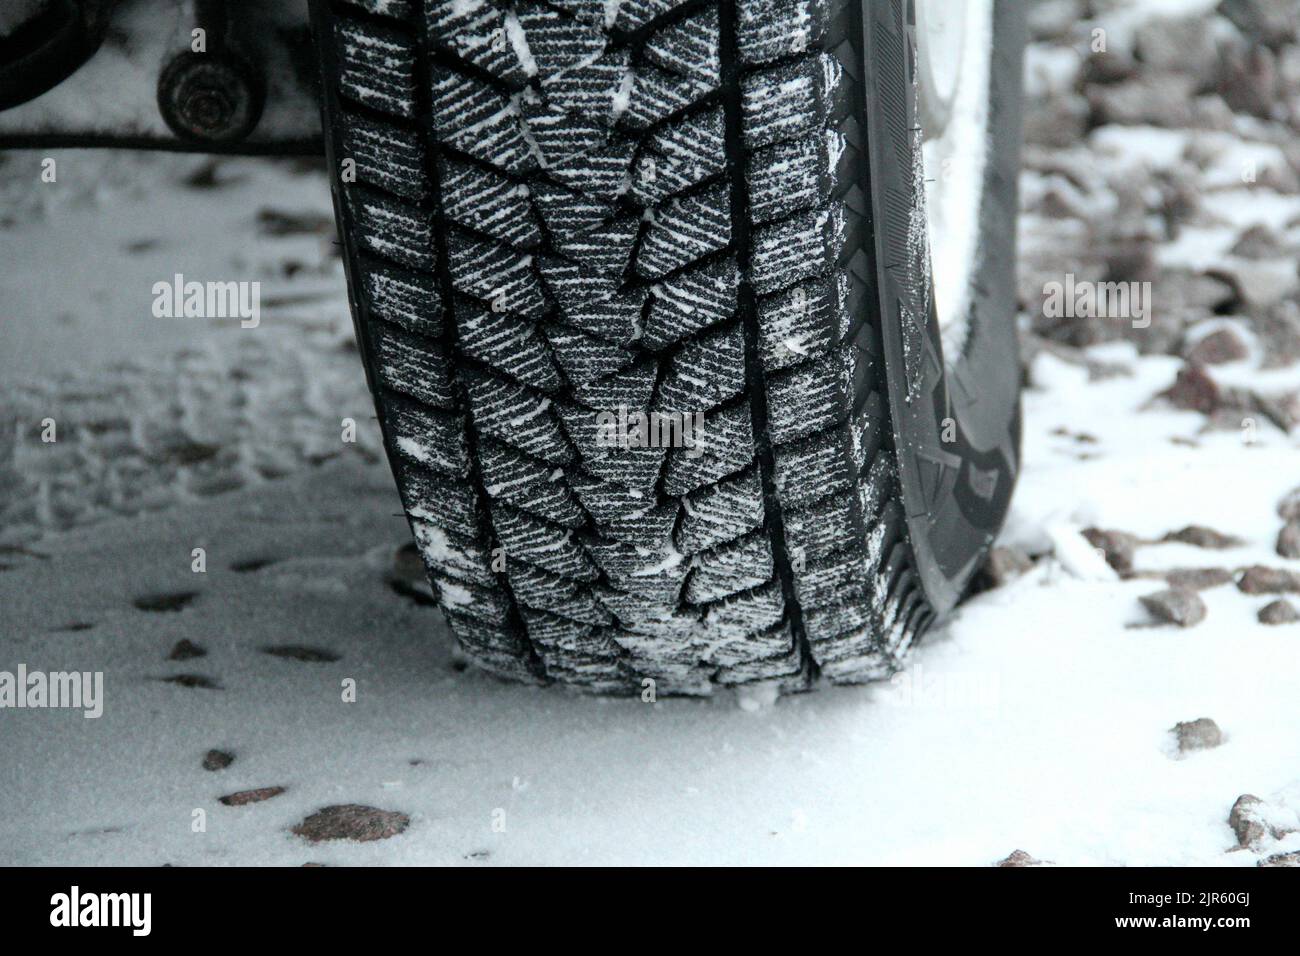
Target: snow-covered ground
1040, 719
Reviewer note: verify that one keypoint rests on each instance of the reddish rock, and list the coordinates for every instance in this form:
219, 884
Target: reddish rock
1218, 348
1019, 858
1280, 611
1288, 539
1202, 537
245, 797
1193, 390
1258, 579
352, 821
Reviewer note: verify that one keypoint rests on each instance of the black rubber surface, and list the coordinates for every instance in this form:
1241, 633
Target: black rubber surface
567, 213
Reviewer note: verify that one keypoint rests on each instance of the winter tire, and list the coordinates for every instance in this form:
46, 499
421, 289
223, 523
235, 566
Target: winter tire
560, 217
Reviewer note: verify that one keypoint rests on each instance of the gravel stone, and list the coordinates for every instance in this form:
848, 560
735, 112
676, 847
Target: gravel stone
1194, 391
1218, 348
1246, 820
1202, 537
1289, 507
245, 797
1288, 539
1018, 858
1258, 579
1199, 734
1117, 545
217, 760
1280, 611
352, 821
1198, 579
1176, 606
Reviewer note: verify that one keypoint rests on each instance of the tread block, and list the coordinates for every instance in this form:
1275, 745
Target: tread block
689, 48
807, 470
636, 14
601, 173
789, 177
451, 504
544, 591
645, 528
609, 502
556, 44
482, 636
472, 117
789, 101
413, 366
798, 248
429, 437
655, 575
833, 579
453, 555
704, 373
723, 447
616, 319
646, 615
558, 640
477, 32
820, 529
516, 416
812, 397
685, 230
607, 250
576, 286
557, 135
803, 321
774, 29
784, 669
691, 301
743, 626
722, 512
584, 357
567, 212
597, 436
393, 229
630, 388
376, 67
496, 274
549, 546
508, 344
404, 298
488, 604
488, 202
657, 94
679, 155
528, 484
731, 568
876, 487
824, 624
387, 156
591, 88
